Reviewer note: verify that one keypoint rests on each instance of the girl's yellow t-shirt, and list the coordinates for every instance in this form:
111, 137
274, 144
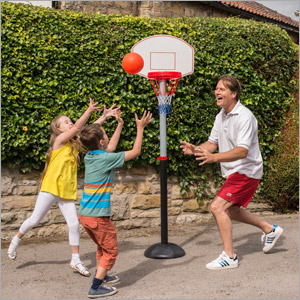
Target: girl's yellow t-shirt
61, 176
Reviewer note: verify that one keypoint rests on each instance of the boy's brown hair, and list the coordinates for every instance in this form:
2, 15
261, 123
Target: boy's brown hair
231, 83
91, 135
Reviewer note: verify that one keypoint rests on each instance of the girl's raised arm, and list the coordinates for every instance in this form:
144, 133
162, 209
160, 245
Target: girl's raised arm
70, 130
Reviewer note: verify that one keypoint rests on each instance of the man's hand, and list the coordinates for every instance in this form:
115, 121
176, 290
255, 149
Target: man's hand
187, 148
204, 155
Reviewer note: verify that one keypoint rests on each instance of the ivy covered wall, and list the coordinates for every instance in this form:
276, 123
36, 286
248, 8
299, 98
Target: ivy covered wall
53, 61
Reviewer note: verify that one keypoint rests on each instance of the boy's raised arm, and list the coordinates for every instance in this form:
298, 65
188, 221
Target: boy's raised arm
112, 145
141, 124
110, 112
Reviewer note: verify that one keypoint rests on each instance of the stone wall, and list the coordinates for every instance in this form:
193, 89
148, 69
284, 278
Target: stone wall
153, 9
145, 8
169, 9
103, 7
135, 203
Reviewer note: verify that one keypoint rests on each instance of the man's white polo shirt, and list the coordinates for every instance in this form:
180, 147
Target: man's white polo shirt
238, 129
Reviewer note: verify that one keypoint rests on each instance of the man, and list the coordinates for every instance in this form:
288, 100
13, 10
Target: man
235, 134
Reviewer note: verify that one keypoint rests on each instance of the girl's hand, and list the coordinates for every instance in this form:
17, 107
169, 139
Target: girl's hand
145, 120
93, 106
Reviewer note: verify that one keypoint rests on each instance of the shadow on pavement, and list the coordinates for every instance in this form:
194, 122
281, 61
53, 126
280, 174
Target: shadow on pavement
51, 262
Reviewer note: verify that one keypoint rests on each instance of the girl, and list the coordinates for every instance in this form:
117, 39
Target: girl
59, 181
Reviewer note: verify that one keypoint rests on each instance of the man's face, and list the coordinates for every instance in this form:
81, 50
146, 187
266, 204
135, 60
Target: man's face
225, 98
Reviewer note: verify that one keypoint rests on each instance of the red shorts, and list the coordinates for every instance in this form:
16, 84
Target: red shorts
104, 234
238, 189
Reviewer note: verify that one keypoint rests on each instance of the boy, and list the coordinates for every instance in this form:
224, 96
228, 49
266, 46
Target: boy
95, 211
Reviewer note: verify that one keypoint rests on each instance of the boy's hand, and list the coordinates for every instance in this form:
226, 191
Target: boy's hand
93, 106
110, 112
187, 148
118, 114
145, 120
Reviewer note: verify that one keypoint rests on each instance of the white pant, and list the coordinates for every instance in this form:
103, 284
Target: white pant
43, 205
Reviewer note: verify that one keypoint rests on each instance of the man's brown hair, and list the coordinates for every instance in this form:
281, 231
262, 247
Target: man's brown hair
91, 135
231, 83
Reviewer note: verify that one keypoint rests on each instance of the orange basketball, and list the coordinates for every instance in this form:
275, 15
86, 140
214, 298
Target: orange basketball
132, 63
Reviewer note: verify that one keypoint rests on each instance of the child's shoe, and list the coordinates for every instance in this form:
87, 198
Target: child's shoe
223, 262
80, 268
271, 238
102, 291
12, 251
111, 279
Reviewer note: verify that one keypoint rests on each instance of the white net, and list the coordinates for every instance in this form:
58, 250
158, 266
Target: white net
164, 104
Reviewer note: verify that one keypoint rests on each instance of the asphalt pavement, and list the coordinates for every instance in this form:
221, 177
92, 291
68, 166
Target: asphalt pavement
41, 270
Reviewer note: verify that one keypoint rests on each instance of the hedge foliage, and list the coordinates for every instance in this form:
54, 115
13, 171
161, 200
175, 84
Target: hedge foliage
281, 186
54, 60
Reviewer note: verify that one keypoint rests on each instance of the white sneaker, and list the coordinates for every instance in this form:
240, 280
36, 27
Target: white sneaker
271, 238
223, 262
12, 251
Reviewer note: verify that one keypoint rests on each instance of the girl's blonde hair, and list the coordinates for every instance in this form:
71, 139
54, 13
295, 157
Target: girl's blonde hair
54, 133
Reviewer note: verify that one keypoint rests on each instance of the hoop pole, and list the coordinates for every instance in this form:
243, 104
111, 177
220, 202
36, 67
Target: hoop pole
163, 170
164, 249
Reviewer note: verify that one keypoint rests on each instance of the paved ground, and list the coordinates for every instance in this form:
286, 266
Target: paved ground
41, 270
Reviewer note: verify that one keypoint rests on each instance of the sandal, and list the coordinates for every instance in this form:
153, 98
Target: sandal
80, 268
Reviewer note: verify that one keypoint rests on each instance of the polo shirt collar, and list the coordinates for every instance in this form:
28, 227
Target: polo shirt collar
235, 110
96, 152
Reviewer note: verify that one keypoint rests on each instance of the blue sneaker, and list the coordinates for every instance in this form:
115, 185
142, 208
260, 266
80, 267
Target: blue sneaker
271, 238
111, 279
102, 291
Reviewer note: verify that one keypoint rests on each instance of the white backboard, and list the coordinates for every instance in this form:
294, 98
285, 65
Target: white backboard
165, 53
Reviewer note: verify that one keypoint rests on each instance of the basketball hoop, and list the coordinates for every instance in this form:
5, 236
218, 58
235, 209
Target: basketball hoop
166, 59
164, 85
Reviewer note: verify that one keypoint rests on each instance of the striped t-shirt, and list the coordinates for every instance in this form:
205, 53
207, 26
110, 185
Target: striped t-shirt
98, 182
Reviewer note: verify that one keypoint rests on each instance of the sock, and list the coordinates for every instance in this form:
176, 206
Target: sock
96, 283
229, 256
16, 240
104, 276
76, 257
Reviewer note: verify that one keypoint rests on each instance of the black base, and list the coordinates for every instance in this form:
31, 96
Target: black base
164, 251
